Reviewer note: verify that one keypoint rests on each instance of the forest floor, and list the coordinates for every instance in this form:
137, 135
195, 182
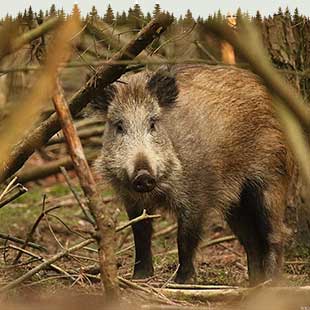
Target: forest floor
223, 263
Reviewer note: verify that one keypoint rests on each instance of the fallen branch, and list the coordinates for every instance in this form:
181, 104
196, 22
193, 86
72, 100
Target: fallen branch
238, 294
83, 134
198, 287
106, 74
40, 172
40, 258
207, 295
21, 241
45, 264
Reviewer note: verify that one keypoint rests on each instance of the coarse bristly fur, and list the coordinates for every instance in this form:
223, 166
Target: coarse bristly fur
209, 137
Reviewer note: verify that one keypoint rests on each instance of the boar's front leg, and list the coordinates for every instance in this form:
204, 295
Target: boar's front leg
189, 234
142, 232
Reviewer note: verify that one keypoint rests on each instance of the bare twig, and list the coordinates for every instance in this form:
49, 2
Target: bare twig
142, 217
21, 190
7, 189
20, 241
40, 258
76, 195
34, 227
45, 264
206, 244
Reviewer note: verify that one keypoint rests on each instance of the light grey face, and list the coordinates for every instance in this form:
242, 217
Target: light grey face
136, 146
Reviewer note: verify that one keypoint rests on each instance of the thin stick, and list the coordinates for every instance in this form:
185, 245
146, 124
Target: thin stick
21, 241
206, 244
77, 197
52, 266
21, 191
34, 227
142, 217
8, 188
45, 264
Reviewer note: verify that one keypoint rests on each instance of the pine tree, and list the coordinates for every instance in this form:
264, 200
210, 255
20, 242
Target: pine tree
280, 12
287, 14
157, 10
188, 19
122, 19
148, 17
25, 16
239, 16
76, 11
40, 17
130, 18
180, 20
296, 18
61, 14
137, 16
19, 17
109, 16
52, 11
30, 15
258, 17
93, 15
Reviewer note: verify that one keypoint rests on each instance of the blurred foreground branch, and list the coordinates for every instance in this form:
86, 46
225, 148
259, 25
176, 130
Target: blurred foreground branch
105, 75
23, 118
293, 113
248, 44
11, 44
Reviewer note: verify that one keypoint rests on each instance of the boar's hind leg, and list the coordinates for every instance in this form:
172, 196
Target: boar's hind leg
259, 230
189, 234
142, 232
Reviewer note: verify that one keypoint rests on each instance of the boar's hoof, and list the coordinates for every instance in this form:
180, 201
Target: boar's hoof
143, 273
185, 276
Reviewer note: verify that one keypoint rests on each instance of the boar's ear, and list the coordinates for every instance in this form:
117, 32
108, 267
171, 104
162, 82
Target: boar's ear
163, 85
101, 99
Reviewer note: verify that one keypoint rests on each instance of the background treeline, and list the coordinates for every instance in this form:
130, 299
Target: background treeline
286, 36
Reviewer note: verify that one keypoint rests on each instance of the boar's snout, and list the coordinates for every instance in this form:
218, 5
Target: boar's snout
143, 181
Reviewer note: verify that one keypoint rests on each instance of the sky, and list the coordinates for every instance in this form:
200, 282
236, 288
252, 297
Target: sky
198, 7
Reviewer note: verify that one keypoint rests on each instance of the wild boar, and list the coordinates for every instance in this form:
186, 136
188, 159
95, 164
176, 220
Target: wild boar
188, 138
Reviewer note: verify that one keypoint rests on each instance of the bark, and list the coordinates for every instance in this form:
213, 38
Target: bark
29, 174
105, 75
100, 210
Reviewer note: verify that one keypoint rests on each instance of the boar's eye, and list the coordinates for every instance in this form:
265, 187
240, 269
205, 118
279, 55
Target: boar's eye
119, 127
